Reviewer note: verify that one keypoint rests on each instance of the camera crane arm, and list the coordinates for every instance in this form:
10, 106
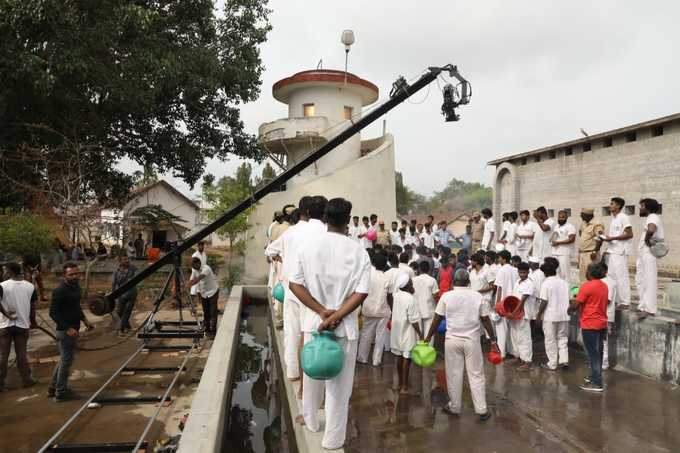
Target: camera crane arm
398, 96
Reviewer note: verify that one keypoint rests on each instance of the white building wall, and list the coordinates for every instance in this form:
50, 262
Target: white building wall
367, 182
647, 167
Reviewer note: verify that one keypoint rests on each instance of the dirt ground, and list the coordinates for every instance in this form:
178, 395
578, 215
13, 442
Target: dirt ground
29, 418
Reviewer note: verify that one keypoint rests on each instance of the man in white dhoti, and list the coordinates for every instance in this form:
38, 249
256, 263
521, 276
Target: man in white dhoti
563, 239
331, 279
646, 273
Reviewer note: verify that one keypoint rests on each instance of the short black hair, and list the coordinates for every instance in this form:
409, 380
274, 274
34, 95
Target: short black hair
364, 218
317, 207
619, 201
487, 212
379, 261
548, 269
393, 259
552, 260
491, 254
13, 268
595, 270
338, 211
524, 212
651, 204
68, 265
516, 258
513, 215
477, 258
303, 205
522, 266
355, 217
404, 257
374, 216
505, 255
424, 267
542, 210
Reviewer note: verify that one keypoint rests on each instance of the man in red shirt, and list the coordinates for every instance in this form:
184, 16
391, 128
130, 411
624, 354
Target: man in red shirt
445, 276
592, 299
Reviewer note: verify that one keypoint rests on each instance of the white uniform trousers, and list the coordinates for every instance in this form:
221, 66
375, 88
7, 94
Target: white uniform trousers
520, 333
556, 342
524, 254
292, 333
503, 337
425, 324
338, 392
618, 270
564, 271
387, 342
466, 353
646, 280
373, 331
512, 248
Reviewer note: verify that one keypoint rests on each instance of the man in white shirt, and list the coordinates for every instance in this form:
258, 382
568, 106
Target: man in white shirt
331, 279
365, 226
506, 277
554, 298
489, 229
395, 239
526, 229
537, 277
520, 329
619, 242
463, 309
17, 315
544, 232
376, 313
511, 237
208, 290
284, 250
404, 267
646, 272
354, 229
563, 239
505, 224
427, 237
201, 255
426, 290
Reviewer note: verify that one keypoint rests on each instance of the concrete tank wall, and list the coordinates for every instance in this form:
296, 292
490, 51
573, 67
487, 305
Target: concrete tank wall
367, 182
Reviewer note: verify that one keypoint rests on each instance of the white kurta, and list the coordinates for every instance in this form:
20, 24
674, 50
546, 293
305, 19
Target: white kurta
404, 314
425, 290
332, 267
555, 292
489, 227
611, 318
524, 245
376, 314
646, 278
512, 239
194, 273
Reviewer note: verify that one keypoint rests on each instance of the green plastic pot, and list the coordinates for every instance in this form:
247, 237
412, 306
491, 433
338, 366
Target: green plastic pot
278, 292
574, 291
423, 354
322, 358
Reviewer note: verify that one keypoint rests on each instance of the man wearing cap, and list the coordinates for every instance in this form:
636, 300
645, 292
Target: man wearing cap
464, 308
588, 246
477, 231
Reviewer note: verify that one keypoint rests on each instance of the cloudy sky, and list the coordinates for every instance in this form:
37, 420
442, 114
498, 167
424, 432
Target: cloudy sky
540, 71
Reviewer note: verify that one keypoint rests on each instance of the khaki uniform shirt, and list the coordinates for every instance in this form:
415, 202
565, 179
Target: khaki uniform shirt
383, 238
587, 233
477, 231
278, 230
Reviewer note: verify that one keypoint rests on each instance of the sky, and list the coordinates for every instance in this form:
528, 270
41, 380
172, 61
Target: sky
540, 71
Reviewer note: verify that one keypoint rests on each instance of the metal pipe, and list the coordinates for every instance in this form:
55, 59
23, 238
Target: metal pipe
160, 404
56, 435
280, 180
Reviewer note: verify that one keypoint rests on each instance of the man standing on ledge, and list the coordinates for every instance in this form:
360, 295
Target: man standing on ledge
66, 312
588, 246
619, 242
489, 229
331, 279
477, 231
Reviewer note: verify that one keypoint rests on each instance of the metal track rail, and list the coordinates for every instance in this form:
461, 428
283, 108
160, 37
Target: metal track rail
52, 445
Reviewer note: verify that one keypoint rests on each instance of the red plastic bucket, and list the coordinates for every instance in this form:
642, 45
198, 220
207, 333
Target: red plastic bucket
494, 357
507, 306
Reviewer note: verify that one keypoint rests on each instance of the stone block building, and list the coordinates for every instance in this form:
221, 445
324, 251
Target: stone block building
632, 162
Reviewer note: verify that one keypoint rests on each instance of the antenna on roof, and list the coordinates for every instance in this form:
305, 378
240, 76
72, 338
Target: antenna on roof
319, 65
585, 134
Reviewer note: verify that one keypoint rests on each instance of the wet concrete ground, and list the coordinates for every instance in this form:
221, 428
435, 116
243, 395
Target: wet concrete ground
28, 418
533, 411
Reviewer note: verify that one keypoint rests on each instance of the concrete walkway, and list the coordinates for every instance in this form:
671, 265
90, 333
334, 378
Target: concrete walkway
533, 411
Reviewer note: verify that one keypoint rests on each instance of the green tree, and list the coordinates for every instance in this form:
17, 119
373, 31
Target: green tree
461, 195
24, 235
84, 84
408, 201
227, 193
268, 175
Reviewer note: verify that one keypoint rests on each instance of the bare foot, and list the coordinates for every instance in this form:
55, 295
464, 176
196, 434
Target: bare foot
300, 420
294, 379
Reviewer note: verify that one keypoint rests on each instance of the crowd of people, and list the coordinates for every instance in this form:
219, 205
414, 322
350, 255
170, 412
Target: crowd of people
404, 281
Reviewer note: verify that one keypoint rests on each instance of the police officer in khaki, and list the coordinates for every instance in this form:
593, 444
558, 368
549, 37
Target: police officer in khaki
588, 246
477, 231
